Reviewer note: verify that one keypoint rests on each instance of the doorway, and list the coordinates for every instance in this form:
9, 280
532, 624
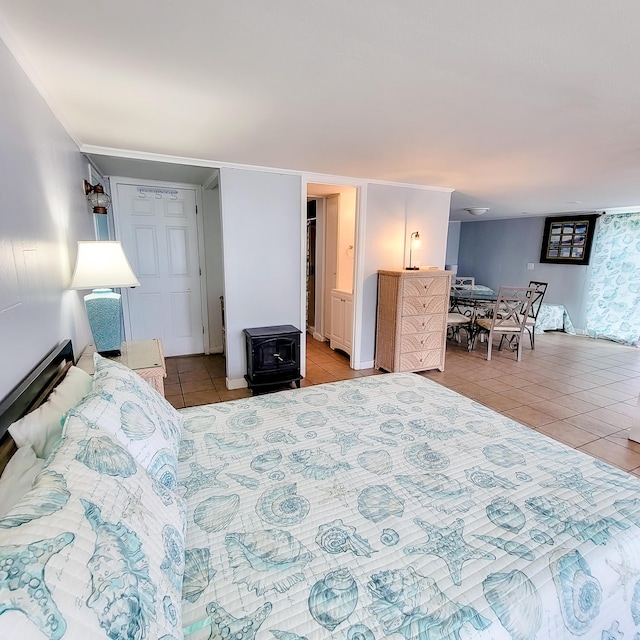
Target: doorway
331, 226
159, 232
311, 266
201, 329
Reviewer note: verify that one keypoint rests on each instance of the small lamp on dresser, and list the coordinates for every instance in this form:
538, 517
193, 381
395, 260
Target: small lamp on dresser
414, 243
101, 265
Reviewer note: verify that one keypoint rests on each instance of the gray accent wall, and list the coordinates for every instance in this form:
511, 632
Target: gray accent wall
43, 212
496, 252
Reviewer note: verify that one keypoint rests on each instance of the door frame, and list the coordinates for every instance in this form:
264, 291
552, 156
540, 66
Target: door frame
320, 332
114, 181
331, 234
360, 187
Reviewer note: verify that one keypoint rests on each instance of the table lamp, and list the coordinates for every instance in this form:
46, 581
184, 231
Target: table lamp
414, 243
99, 266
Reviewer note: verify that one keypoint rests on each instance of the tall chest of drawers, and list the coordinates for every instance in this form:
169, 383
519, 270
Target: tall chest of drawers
411, 331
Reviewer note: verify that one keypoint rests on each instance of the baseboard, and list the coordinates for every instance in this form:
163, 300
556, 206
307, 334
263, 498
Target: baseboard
318, 336
366, 365
236, 383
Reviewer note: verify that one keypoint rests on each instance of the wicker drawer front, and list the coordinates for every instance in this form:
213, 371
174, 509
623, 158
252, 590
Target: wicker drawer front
421, 342
421, 324
420, 360
425, 287
421, 306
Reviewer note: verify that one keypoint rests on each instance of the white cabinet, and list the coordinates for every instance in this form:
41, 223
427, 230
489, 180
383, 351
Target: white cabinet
341, 320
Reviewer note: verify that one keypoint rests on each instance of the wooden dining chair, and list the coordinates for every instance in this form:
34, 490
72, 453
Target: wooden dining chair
508, 319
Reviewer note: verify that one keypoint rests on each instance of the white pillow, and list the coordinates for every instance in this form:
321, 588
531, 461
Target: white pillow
42, 428
18, 476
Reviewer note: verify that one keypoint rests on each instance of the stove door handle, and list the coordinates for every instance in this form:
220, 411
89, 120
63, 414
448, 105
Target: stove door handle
278, 356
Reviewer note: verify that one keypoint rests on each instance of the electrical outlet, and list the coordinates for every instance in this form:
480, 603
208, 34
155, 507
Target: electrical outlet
530, 266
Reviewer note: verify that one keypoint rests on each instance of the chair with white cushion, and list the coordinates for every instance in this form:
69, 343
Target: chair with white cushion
457, 321
508, 319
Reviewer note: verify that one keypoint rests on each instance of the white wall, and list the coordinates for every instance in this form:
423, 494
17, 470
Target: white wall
263, 253
43, 212
213, 265
391, 214
346, 239
453, 242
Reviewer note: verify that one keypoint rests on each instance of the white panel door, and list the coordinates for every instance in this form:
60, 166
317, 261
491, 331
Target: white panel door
348, 323
158, 231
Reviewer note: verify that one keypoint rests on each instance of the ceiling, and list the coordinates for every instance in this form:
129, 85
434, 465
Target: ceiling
146, 170
527, 108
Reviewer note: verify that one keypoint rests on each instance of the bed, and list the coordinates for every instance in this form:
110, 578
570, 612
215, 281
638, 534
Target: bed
385, 506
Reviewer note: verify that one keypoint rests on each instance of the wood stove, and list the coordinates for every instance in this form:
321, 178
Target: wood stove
273, 356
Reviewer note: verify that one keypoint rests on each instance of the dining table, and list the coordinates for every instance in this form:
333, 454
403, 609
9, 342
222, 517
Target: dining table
471, 298
473, 301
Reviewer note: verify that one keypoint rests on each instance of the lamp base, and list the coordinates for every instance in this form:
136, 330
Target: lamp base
412, 268
110, 354
105, 319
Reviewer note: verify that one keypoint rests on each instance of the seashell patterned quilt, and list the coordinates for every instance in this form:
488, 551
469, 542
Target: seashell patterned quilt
389, 506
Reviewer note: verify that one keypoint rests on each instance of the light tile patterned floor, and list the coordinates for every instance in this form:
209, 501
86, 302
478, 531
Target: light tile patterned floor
580, 391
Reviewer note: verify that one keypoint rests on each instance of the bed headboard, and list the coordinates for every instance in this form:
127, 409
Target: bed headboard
30, 392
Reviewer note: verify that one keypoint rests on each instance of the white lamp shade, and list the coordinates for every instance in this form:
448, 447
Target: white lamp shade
102, 264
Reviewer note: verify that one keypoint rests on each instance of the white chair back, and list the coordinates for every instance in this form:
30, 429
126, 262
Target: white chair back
460, 282
509, 318
512, 309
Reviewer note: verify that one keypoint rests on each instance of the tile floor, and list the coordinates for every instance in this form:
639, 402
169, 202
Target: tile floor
580, 391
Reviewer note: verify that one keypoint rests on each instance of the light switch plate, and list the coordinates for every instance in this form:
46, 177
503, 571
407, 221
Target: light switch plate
530, 266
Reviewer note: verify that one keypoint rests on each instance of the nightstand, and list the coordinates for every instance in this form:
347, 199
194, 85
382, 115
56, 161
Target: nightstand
145, 357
